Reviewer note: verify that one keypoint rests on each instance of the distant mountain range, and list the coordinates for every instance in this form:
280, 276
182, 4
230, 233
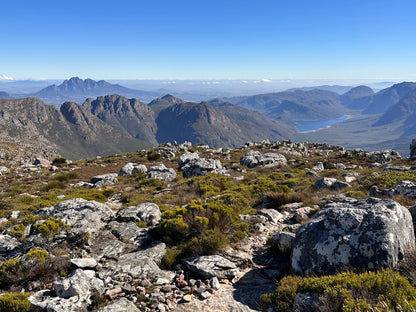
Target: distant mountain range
78, 90
106, 124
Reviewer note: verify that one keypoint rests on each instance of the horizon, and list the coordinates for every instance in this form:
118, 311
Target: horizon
189, 40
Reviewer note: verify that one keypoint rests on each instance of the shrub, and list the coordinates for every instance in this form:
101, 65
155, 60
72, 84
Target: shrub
50, 227
389, 179
53, 185
59, 162
172, 257
10, 271
349, 291
66, 176
18, 231
14, 302
153, 156
37, 255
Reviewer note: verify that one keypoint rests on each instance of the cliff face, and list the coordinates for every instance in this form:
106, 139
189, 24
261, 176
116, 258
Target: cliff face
129, 115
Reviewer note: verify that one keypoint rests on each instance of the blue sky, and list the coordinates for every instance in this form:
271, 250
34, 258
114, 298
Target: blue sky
196, 39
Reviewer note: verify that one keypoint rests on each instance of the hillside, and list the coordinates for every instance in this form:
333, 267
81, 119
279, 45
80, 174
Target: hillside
71, 131
297, 105
193, 228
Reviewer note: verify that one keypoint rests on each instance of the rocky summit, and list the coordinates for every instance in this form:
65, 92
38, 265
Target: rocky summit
268, 226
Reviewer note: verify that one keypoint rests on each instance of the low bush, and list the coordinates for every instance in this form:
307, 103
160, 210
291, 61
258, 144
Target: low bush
347, 292
38, 255
18, 231
389, 179
14, 302
50, 227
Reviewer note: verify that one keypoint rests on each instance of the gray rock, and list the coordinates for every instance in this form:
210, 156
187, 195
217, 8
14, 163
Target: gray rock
318, 167
120, 305
146, 212
127, 170
284, 241
83, 216
160, 172
129, 232
84, 263
104, 179
369, 234
132, 265
8, 244
139, 169
79, 283
325, 183
272, 215
215, 283
149, 213
72, 294
43, 301
210, 266
192, 166
254, 159
396, 168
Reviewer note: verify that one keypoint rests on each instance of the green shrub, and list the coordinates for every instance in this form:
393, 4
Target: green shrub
14, 302
349, 291
53, 185
66, 176
18, 231
10, 271
37, 255
172, 257
389, 179
153, 156
59, 162
356, 194
50, 227
152, 183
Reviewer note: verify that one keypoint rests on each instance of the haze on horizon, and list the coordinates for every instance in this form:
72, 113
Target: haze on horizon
311, 40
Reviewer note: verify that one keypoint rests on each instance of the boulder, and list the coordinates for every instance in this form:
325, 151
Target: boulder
330, 183
149, 213
139, 169
132, 265
79, 283
209, 266
104, 179
192, 166
272, 215
254, 159
146, 212
318, 167
83, 216
120, 305
72, 294
160, 172
84, 263
127, 170
363, 234
8, 244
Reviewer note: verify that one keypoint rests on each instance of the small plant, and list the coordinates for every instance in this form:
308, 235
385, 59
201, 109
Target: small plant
59, 162
14, 302
38, 255
50, 227
18, 231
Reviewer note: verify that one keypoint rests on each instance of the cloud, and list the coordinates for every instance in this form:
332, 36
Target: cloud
263, 80
5, 78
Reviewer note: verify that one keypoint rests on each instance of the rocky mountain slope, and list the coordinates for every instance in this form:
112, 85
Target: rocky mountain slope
193, 228
70, 130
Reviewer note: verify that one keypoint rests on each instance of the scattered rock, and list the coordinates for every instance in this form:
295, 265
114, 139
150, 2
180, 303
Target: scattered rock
210, 266
84, 263
284, 241
192, 166
120, 305
160, 172
104, 179
127, 170
254, 159
272, 215
83, 216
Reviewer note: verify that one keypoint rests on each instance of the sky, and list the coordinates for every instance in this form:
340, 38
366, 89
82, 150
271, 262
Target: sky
198, 39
